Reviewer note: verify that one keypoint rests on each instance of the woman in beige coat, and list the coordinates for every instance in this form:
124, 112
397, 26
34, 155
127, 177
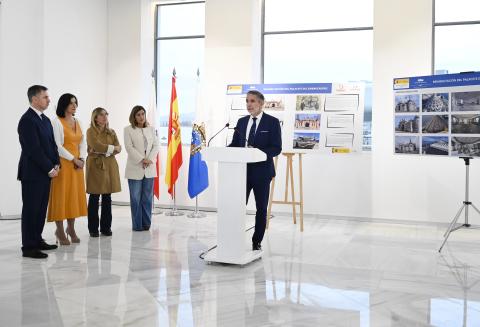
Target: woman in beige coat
102, 173
142, 147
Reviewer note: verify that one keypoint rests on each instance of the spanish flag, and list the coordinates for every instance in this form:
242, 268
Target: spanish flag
174, 154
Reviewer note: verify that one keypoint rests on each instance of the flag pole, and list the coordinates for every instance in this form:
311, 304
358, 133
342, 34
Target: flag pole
174, 212
196, 213
155, 211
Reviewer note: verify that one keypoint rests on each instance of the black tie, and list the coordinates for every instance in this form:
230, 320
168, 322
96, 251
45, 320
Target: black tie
42, 116
251, 135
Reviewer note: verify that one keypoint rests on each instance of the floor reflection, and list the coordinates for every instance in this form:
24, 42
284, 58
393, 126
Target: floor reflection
336, 273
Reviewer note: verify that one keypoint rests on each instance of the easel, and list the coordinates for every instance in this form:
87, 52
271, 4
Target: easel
289, 175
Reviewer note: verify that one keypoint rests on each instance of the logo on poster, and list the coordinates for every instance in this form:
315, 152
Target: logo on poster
401, 83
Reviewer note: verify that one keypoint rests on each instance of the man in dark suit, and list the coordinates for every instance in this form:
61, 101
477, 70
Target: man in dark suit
39, 162
262, 131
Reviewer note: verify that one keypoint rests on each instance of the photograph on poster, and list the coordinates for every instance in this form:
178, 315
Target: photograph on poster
340, 121
238, 102
343, 140
435, 102
407, 144
466, 101
309, 141
435, 124
436, 145
307, 121
274, 102
308, 102
466, 124
466, 146
407, 124
407, 103
342, 102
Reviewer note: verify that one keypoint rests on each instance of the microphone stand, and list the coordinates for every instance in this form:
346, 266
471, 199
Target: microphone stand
210, 140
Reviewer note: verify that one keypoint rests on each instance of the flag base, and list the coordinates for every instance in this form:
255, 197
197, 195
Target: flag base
173, 213
156, 211
196, 214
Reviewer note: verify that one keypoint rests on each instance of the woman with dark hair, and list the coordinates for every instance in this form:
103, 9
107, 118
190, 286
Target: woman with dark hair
67, 195
103, 177
142, 148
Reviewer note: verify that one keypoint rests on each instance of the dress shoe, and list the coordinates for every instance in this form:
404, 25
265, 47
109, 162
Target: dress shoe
61, 238
146, 227
35, 254
256, 247
107, 233
94, 234
45, 246
73, 235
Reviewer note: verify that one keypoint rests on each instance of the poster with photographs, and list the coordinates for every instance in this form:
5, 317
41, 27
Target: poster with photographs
437, 115
315, 117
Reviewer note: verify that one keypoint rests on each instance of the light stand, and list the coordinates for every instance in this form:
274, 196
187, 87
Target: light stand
465, 205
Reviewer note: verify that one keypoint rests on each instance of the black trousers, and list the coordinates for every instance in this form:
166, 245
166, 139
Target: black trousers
106, 216
34, 211
261, 191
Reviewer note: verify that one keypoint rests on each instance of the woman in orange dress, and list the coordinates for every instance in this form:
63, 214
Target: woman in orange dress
68, 199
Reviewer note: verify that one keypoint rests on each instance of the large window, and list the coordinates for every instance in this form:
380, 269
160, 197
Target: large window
179, 35
317, 41
456, 28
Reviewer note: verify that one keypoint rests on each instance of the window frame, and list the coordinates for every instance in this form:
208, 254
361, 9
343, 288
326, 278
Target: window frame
324, 30
158, 38
442, 24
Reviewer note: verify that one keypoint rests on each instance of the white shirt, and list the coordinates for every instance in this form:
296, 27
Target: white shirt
38, 112
249, 126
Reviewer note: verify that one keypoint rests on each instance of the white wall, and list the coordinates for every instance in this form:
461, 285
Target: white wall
60, 44
21, 64
377, 184
409, 188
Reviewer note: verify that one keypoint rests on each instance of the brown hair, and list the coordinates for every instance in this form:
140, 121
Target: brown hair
134, 111
93, 123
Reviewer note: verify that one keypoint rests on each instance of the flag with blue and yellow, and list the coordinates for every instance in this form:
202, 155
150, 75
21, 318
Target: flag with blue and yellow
197, 169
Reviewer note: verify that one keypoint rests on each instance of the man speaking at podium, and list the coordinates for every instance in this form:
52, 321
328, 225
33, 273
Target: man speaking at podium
262, 131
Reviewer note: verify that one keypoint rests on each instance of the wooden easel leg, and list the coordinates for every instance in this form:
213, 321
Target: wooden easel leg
292, 185
270, 199
300, 173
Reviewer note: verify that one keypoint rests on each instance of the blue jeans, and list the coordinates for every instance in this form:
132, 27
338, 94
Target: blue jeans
141, 197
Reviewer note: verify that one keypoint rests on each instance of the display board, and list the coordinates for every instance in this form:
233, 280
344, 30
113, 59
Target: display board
437, 115
315, 117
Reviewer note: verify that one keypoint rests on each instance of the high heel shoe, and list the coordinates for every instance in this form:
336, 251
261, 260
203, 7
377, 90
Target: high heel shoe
73, 236
62, 239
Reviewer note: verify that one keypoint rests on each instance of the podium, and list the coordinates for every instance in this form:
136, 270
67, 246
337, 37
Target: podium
231, 201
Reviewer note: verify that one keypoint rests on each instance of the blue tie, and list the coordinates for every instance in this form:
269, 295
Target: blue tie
251, 135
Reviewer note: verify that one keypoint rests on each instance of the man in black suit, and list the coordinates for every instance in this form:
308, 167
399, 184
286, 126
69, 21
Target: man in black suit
262, 131
39, 162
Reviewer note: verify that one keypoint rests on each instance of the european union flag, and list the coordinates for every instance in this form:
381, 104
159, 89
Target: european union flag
197, 169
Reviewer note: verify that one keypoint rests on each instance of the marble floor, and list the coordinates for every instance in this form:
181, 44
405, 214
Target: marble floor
336, 273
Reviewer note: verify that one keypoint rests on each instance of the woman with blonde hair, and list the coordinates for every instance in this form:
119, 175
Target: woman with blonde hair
67, 196
102, 173
142, 148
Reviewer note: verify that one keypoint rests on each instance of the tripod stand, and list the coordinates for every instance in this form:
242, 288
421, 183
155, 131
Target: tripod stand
465, 205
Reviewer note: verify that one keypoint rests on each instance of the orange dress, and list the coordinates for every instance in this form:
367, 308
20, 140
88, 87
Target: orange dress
67, 191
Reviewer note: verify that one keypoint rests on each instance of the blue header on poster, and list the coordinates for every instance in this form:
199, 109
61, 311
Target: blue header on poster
295, 88
434, 81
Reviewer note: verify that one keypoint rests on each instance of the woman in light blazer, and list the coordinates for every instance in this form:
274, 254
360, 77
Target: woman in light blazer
142, 148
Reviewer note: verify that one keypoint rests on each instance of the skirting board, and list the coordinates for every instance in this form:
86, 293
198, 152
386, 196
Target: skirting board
285, 214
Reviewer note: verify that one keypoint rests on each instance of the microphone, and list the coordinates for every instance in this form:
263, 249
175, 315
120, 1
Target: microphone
226, 125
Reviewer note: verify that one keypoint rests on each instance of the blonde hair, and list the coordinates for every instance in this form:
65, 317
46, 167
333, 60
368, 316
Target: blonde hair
132, 119
93, 124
